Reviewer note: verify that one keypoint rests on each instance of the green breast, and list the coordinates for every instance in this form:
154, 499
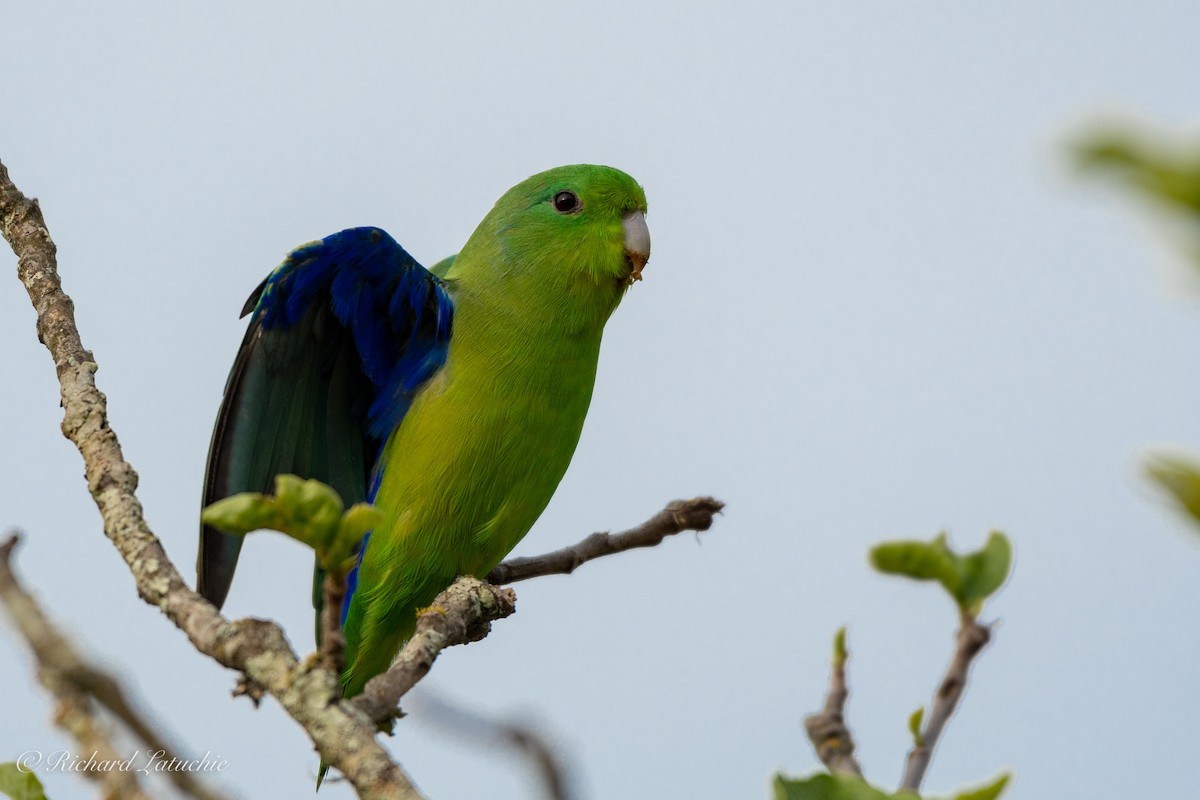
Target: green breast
484, 446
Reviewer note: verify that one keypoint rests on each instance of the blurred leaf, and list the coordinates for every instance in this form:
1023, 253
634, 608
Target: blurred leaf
20, 784
922, 561
970, 579
1180, 478
914, 726
243, 513
989, 792
984, 570
306, 510
1161, 167
312, 505
824, 786
356, 523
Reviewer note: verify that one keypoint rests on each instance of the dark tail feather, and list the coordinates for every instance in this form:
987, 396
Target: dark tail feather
215, 564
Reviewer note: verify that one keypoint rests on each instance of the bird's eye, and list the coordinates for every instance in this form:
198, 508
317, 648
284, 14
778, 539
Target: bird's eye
567, 203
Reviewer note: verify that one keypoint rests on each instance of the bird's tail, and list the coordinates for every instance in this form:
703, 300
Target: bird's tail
371, 648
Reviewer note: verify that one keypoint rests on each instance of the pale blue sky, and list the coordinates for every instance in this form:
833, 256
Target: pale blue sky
878, 306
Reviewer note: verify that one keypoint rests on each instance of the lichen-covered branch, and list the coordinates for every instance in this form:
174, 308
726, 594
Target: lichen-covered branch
461, 614
827, 730
307, 690
971, 638
679, 515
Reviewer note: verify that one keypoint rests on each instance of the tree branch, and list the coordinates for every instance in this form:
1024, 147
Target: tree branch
679, 515
464, 612
333, 640
58, 664
73, 680
461, 614
827, 730
307, 690
971, 638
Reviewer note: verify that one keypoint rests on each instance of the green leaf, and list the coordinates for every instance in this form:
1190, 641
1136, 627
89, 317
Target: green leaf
358, 520
914, 726
312, 505
1163, 167
243, 513
922, 561
1180, 477
984, 571
19, 783
306, 510
989, 792
824, 786
969, 579
311, 510
1159, 167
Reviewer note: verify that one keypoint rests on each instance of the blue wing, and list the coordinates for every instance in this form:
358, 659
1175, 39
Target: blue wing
342, 336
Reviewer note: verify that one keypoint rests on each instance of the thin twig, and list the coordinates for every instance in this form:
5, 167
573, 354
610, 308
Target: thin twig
75, 684
109, 693
462, 613
333, 641
827, 730
75, 715
971, 638
679, 515
545, 761
307, 690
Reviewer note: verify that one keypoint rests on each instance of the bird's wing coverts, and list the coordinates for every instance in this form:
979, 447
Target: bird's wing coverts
342, 335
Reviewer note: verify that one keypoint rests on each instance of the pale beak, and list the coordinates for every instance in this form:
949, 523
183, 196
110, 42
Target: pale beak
637, 242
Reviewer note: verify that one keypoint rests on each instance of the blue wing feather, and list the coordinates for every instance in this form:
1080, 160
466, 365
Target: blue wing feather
342, 336
398, 313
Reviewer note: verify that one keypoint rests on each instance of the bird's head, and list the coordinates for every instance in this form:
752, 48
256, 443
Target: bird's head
573, 237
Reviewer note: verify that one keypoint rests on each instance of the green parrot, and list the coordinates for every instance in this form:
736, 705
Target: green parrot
451, 398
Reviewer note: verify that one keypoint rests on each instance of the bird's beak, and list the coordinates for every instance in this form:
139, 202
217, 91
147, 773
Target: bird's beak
637, 242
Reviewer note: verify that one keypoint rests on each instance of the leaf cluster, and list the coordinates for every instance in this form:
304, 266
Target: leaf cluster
969, 579
1157, 167
306, 510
